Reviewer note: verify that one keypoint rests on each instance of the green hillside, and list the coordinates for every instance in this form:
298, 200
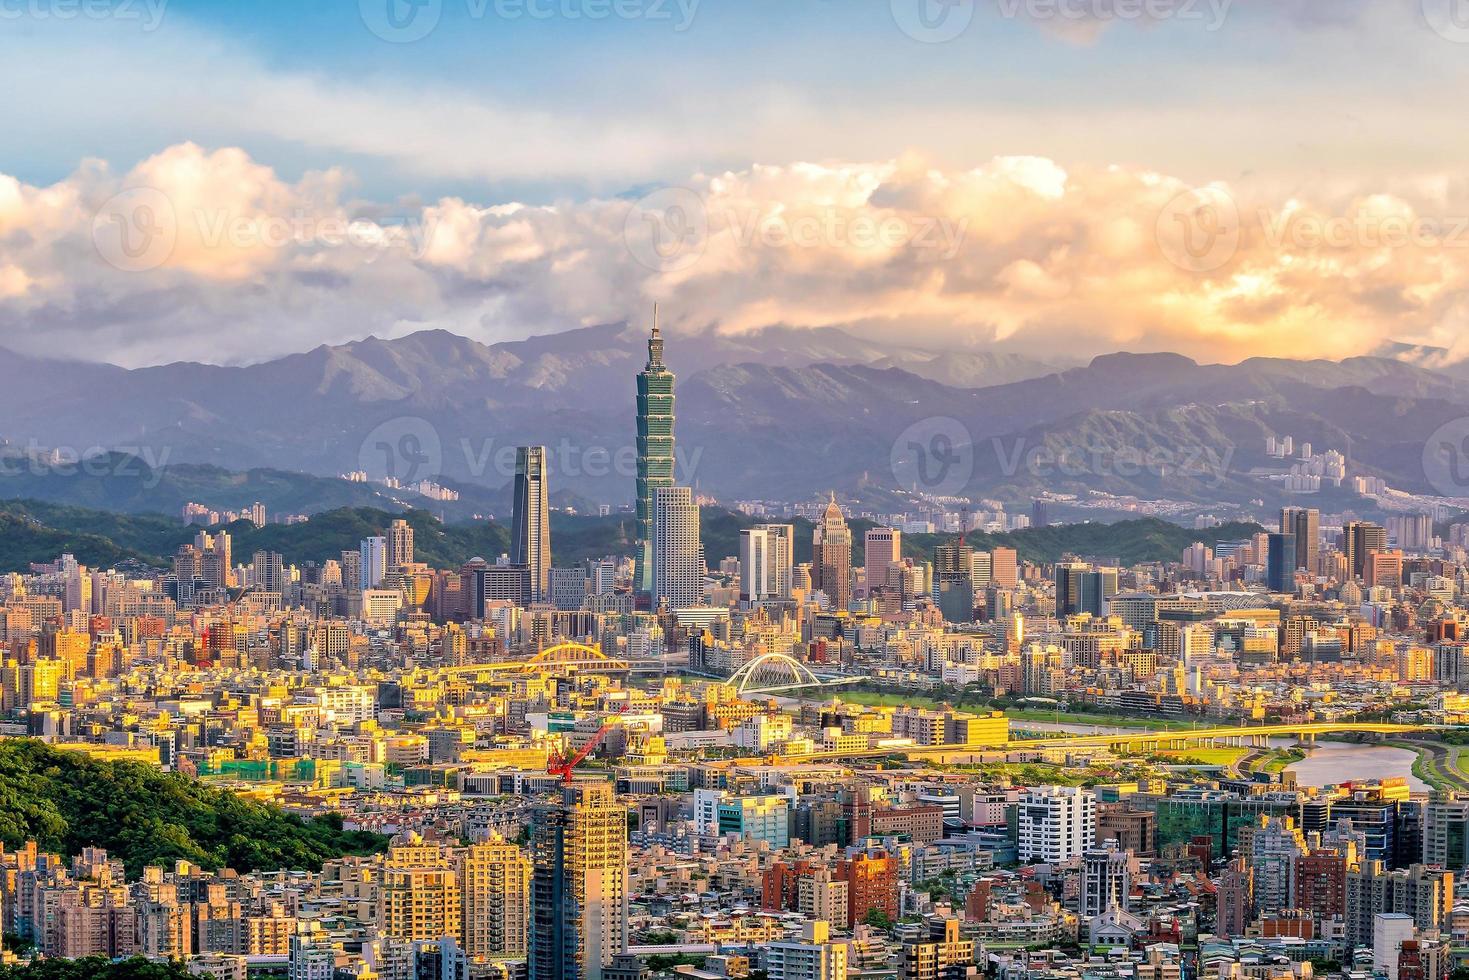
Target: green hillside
66, 801
31, 531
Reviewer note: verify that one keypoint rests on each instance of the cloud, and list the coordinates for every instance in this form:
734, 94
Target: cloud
208, 254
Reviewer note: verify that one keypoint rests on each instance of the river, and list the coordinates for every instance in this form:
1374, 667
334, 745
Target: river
1339, 762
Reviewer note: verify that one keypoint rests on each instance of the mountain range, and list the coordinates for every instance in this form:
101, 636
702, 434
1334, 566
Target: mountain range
779, 414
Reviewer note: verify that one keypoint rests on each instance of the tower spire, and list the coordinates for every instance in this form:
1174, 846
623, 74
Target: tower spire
655, 344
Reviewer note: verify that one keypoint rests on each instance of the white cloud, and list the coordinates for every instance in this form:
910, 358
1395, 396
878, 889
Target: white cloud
1018, 251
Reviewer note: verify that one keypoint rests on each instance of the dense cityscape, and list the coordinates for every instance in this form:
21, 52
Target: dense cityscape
734, 490
1242, 762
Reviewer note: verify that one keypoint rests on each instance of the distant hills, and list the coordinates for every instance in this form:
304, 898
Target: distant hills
33, 531
782, 414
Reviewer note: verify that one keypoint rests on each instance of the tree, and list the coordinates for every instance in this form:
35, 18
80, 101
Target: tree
878, 919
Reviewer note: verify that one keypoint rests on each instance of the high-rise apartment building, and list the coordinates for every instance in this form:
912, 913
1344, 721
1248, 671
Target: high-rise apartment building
765, 562
494, 881
831, 557
418, 897
530, 527
1106, 880
678, 554
1057, 823
655, 450
578, 884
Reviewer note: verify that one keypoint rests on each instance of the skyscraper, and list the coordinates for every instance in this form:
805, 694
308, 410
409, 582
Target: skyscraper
677, 553
953, 580
831, 557
1360, 539
883, 548
400, 544
374, 562
765, 562
1305, 524
578, 883
530, 530
1069, 585
655, 449
269, 569
1281, 563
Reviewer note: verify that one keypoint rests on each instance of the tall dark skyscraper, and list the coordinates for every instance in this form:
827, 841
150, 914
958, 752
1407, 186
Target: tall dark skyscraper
655, 449
1305, 524
1281, 563
1360, 539
530, 528
1069, 576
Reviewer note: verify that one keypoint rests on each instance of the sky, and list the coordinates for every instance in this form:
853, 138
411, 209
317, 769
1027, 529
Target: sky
229, 182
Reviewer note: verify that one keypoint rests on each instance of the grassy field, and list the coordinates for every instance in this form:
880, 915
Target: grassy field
1110, 721
893, 700
1211, 756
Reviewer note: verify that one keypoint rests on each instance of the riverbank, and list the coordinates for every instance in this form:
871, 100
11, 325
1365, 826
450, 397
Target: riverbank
1438, 764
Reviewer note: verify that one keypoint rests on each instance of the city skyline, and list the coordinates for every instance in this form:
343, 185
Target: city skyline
734, 490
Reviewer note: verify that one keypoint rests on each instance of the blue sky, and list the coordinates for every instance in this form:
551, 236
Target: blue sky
799, 79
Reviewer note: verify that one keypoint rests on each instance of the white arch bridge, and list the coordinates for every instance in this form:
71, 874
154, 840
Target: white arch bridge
772, 673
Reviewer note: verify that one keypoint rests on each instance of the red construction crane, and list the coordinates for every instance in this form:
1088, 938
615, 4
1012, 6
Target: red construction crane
560, 764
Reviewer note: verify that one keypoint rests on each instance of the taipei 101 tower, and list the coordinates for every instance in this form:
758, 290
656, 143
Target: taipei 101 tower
655, 449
